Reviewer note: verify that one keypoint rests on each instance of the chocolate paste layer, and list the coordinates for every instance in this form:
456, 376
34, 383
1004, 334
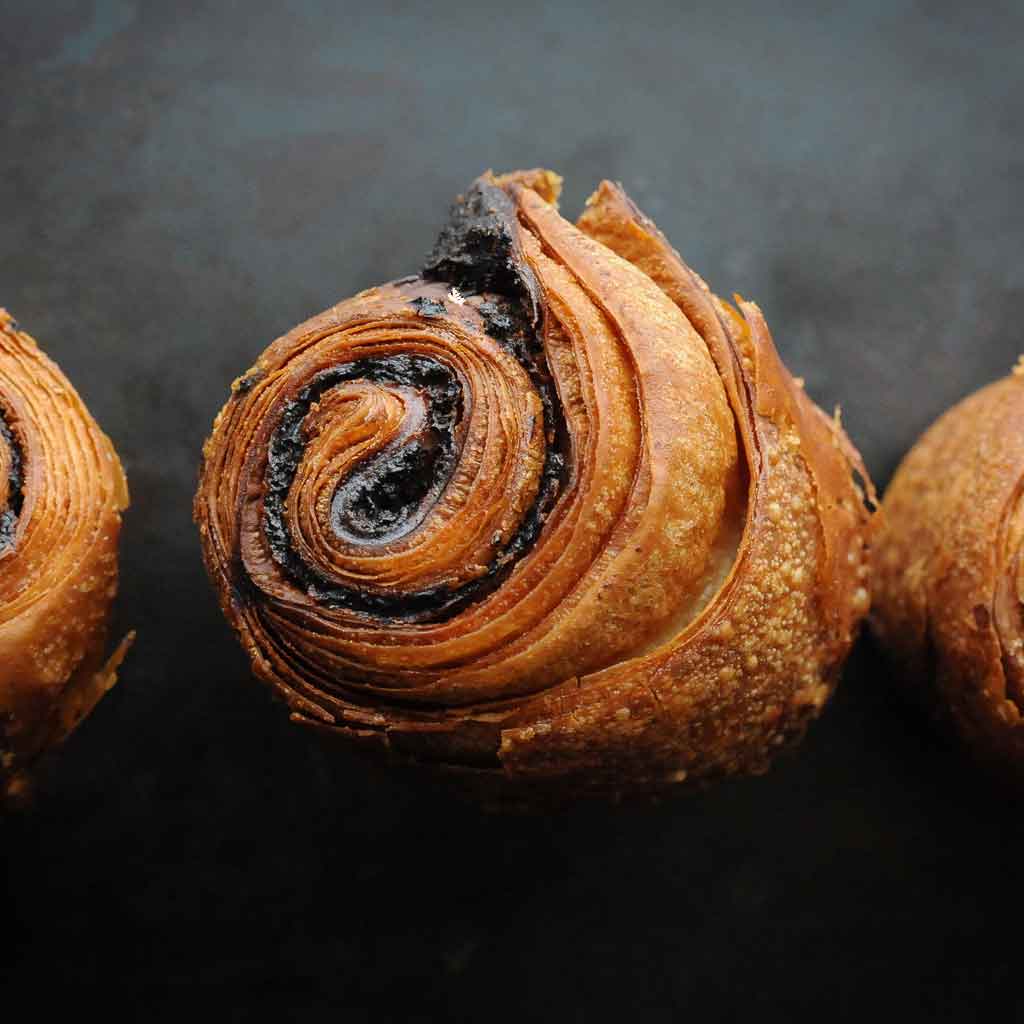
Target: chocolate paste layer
15, 480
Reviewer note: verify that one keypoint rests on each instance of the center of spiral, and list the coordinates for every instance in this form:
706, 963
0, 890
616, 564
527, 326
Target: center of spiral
388, 495
381, 504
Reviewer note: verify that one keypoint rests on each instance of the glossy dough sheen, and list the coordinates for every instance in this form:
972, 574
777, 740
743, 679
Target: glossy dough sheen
62, 492
697, 569
950, 581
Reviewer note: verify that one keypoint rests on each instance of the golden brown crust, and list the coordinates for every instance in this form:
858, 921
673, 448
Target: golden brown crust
58, 557
948, 571
686, 607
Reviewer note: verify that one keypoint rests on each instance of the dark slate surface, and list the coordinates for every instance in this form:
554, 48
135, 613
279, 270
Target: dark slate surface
179, 183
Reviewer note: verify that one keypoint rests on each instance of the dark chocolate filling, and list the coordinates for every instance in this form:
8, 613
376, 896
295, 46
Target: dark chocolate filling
245, 384
428, 307
391, 491
477, 250
15, 482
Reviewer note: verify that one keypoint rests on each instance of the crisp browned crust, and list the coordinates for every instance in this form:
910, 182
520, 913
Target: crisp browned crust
61, 507
949, 580
696, 584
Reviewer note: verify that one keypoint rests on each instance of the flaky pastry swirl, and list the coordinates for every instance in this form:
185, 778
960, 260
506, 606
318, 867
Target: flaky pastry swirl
950, 574
550, 513
62, 492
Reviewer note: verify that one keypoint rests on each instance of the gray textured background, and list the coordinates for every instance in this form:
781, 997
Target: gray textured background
181, 182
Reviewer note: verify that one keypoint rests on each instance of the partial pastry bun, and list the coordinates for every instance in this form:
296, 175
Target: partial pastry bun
949, 576
62, 492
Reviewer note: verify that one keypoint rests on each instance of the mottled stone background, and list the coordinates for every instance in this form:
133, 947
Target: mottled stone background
181, 182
